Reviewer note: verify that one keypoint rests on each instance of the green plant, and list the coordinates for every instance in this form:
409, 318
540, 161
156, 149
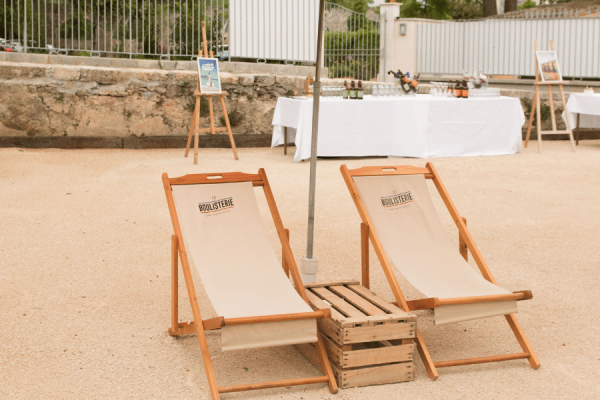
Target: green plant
249, 97
235, 117
527, 4
203, 106
354, 69
434, 9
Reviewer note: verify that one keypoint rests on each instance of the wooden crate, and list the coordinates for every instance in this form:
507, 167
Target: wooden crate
368, 340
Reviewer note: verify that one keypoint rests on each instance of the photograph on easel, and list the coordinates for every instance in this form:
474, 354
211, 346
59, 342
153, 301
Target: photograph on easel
208, 71
548, 65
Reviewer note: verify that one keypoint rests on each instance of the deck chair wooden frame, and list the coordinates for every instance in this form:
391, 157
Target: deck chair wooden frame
195, 125
178, 251
466, 243
536, 107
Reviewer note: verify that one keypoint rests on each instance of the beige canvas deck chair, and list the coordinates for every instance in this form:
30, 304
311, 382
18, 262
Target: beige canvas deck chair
216, 218
399, 218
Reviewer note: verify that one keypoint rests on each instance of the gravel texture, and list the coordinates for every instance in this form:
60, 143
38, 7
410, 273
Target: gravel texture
85, 274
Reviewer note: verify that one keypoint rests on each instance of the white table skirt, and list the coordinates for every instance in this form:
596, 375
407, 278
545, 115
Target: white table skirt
588, 105
410, 126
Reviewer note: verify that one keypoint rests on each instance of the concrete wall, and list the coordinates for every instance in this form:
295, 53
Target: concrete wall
232, 67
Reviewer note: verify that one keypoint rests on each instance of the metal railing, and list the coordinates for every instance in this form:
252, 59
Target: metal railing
157, 28
264, 30
351, 43
505, 46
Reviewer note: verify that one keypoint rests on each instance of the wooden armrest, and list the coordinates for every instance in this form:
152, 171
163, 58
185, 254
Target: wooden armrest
433, 302
324, 313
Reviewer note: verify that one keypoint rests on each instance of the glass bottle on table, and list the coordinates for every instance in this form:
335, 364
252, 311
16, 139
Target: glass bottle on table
360, 93
352, 91
457, 90
345, 91
465, 90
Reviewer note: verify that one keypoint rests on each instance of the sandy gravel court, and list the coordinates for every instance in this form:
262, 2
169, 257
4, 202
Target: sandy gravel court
85, 274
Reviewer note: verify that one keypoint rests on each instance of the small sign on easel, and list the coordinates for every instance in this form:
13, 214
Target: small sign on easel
208, 71
547, 72
208, 84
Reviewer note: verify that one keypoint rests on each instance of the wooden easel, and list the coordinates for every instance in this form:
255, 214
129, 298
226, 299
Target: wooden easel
536, 106
195, 126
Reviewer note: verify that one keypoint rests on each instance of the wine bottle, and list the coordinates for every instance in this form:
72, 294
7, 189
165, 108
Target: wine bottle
346, 92
457, 90
360, 92
352, 91
465, 90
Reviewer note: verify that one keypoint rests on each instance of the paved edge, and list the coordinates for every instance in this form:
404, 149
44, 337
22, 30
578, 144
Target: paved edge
132, 142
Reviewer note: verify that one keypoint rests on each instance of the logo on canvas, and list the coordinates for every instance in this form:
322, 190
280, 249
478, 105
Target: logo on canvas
396, 199
216, 205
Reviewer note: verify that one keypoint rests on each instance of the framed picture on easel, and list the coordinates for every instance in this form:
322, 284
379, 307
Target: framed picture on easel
208, 72
548, 66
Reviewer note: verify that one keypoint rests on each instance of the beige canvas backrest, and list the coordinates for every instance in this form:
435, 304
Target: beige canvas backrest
416, 243
226, 238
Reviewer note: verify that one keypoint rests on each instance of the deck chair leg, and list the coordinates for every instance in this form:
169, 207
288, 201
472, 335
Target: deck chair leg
364, 254
530, 124
426, 357
522, 339
325, 366
174, 286
210, 372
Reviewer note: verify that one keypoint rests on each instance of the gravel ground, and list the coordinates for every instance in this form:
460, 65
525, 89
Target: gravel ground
85, 275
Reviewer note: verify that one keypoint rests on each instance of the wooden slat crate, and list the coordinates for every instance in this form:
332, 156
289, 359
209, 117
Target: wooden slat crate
368, 340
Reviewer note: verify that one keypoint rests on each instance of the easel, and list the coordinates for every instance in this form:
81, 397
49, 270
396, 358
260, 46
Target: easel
195, 126
536, 106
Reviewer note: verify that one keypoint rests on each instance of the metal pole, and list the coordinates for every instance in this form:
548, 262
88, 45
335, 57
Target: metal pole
315, 135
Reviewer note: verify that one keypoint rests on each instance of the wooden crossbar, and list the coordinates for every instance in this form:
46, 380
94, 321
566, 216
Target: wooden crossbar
481, 360
466, 244
179, 255
434, 302
184, 328
274, 384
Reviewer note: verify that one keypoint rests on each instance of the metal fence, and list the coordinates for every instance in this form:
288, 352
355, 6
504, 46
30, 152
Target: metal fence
259, 30
351, 43
505, 46
160, 28
283, 30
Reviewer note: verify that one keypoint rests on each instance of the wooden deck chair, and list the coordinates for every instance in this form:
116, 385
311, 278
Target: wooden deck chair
399, 219
218, 217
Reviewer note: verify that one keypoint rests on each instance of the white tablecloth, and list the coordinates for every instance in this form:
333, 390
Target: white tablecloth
588, 105
410, 126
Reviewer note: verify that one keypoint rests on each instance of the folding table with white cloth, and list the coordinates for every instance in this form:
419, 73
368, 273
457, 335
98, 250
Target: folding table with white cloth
421, 126
587, 108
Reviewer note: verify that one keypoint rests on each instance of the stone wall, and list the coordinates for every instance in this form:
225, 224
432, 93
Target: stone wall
53, 101
48, 100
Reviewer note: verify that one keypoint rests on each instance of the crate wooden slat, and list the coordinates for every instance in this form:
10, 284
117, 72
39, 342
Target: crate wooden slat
368, 340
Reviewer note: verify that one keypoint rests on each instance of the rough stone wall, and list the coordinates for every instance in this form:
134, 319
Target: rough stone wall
60, 100
70, 100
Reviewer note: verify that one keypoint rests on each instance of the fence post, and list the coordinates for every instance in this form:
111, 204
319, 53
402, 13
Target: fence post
388, 14
25, 25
